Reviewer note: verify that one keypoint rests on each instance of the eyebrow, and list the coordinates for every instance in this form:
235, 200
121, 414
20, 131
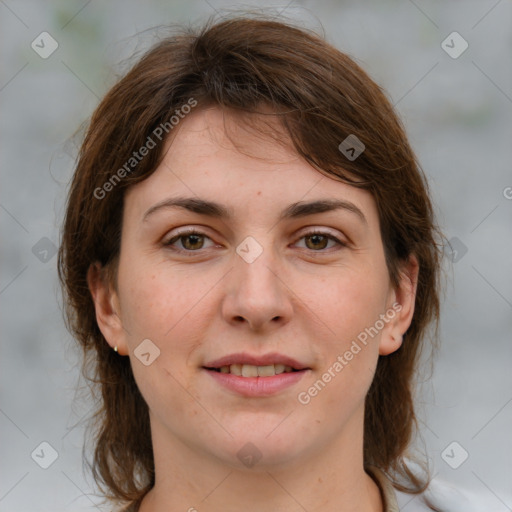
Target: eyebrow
216, 210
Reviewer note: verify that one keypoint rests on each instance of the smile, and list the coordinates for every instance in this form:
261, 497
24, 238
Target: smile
249, 370
249, 385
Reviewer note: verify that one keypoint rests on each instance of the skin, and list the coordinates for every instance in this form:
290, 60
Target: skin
304, 297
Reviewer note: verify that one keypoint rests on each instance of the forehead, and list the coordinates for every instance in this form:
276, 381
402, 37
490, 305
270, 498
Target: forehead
235, 136
240, 160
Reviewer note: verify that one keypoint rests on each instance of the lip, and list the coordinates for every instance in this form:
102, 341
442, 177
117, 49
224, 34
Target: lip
262, 360
257, 386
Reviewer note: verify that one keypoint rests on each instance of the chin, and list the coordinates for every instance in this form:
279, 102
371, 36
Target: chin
262, 448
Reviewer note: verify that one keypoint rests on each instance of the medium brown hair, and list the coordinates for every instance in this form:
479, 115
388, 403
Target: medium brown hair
321, 96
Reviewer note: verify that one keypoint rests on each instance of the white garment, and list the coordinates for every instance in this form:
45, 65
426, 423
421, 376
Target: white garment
439, 496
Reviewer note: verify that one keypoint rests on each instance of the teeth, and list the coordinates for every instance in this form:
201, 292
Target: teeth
249, 370
235, 369
279, 368
265, 371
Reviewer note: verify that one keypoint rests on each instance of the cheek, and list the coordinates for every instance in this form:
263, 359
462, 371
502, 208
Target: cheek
169, 308
353, 302
163, 307
349, 306
156, 301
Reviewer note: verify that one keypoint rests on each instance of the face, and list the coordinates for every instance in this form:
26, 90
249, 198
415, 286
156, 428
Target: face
265, 275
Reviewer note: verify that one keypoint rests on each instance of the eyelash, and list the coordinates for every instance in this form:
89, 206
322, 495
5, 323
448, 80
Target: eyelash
189, 232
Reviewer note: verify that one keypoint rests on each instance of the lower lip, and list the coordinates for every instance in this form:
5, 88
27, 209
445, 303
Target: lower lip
257, 386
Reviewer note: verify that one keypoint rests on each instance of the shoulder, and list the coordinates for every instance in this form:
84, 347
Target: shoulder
443, 496
440, 496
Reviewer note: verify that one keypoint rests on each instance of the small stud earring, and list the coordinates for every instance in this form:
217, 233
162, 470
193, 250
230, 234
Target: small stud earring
115, 348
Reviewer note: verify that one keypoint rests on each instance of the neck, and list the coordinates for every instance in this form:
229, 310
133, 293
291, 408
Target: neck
330, 480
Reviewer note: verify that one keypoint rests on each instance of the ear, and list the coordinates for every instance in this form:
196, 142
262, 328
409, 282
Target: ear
400, 307
106, 303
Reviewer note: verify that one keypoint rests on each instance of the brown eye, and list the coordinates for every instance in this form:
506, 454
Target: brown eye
191, 241
318, 241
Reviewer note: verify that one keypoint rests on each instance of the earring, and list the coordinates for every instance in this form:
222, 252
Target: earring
115, 348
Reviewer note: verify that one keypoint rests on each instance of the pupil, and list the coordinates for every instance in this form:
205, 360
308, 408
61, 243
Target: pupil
315, 238
188, 237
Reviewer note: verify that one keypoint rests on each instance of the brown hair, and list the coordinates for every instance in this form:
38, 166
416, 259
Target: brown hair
321, 97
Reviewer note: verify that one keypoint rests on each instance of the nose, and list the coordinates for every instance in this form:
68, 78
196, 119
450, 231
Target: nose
257, 294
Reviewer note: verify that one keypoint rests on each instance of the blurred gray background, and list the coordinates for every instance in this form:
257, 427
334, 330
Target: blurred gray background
456, 104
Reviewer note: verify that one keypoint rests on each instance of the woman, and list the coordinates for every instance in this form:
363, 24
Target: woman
250, 262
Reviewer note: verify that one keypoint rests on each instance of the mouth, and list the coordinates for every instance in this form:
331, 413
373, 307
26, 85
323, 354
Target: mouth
256, 376
247, 365
249, 370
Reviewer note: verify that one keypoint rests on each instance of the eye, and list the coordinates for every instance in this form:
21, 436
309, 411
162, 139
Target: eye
191, 240
318, 240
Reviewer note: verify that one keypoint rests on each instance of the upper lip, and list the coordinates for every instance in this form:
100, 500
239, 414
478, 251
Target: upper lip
263, 360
